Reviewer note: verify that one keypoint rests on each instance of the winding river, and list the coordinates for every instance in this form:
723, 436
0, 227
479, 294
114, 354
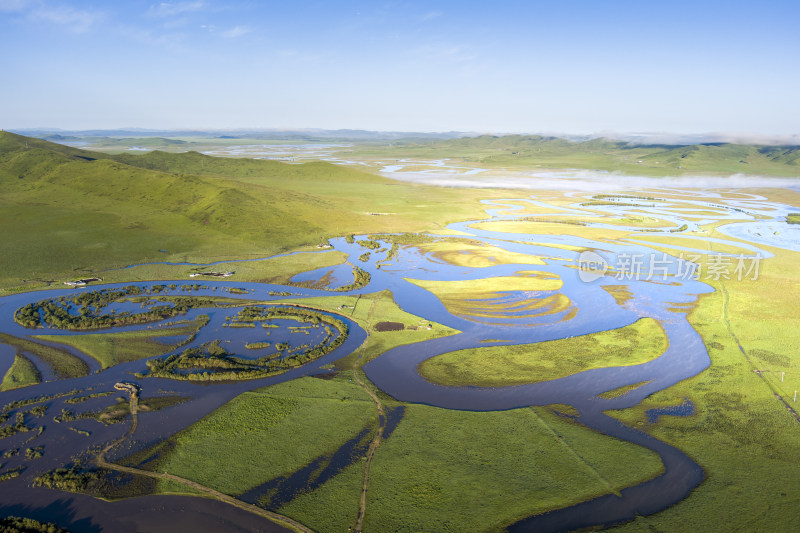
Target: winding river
665, 295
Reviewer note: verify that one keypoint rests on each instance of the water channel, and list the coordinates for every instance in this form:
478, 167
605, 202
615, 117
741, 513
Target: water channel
665, 294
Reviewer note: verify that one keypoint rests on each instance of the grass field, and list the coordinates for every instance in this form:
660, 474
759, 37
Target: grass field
485, 298
499, 366
68, 213
632, 219
475, 256
467, 464
276, 270
368, 310
21, 374
741, 434
703, 247
264, 434
110, 349
64, 364
523, 281
546, 153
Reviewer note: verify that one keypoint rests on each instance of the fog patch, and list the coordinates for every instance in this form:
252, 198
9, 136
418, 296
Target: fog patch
587, 180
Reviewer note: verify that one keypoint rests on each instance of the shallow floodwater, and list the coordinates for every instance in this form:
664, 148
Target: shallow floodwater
661, 290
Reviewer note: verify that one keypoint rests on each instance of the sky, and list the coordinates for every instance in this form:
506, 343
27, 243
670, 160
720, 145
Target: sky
568, 66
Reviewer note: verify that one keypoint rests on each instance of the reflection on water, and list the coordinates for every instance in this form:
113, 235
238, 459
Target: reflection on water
330, 277
514, 314
684, 409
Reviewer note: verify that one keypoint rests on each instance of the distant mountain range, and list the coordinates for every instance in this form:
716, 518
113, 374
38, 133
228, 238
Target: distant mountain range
273, 134
644, 138
639, 154
550, 152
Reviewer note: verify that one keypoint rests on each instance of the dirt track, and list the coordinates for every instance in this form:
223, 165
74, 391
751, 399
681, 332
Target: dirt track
101, 462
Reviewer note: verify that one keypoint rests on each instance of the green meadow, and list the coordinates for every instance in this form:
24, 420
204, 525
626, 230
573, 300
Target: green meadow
63, 363
468, 463
21, 374
742, 434
538, 152
175, 144
499, 366
436, 459
68, 213
110, 349
277, 270
370, 309
264, 434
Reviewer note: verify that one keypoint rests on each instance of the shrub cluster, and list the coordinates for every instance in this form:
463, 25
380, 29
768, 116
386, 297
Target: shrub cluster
57, 312
211, 362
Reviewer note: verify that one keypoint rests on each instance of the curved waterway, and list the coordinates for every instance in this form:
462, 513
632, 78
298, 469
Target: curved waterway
661, 289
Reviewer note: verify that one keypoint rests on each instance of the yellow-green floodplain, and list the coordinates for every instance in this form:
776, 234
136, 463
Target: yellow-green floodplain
500, 366
343, 446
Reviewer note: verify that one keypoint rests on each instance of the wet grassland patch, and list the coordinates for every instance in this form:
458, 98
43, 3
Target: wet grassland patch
62, 363
499, 366
295, 448
102, 309
87, 310
528, 294
21, 374
369, 309
267, 435
439, 459
211, 362
389, 326
740, 432
110, 349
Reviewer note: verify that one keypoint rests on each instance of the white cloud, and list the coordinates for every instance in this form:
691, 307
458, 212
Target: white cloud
14, 5
431, 15
238, 31
151, 38
167, 9
73, 19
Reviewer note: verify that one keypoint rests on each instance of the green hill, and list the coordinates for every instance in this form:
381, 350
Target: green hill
535, 151
66, 211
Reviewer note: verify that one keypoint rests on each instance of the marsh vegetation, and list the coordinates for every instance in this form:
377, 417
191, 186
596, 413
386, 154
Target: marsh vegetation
297, 447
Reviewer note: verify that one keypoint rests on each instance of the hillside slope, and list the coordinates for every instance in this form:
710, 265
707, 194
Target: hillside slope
535, 151
66, 211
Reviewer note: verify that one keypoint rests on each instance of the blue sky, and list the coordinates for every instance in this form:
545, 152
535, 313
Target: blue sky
503, 66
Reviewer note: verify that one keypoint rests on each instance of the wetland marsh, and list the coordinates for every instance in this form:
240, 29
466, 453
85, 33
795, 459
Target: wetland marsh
514, 392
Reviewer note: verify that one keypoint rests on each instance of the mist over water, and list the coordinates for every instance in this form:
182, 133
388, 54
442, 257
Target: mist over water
591, 181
